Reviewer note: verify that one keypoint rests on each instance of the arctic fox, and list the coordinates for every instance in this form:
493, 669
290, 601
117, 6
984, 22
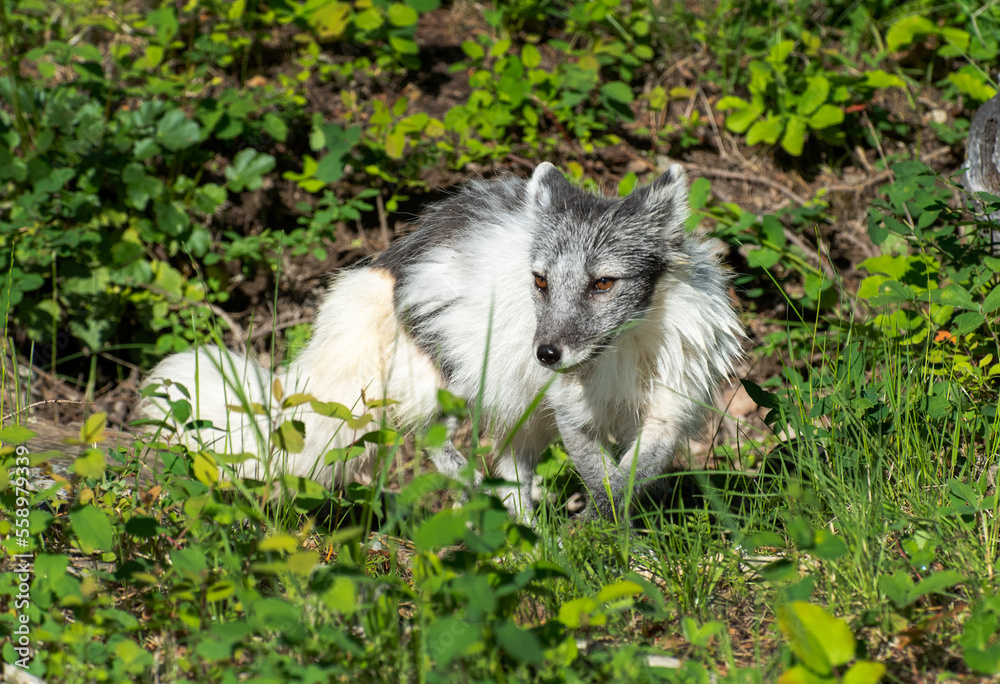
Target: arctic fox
508, 291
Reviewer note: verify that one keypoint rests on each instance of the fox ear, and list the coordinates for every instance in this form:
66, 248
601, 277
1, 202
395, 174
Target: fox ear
670, 188
665, 205
545, 182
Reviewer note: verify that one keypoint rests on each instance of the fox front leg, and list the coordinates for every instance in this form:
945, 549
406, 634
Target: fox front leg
603, 477
609, 481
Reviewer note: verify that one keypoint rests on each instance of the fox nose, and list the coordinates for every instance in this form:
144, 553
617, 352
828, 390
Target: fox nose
548, 354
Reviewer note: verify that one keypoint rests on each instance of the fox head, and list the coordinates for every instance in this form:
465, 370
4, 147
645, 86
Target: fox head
595, 261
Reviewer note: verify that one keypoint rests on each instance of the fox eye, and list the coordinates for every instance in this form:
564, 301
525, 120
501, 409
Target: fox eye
604, 284
540, 282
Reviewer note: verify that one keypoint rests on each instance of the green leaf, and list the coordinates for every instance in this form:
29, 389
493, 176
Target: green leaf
92, 431
768, 130
618, 91
339, 142
992, 301
327, 18
828, 545
530, 56
15, 434
898, 588
519, 644
881, 79
938, 582
972, 84
290, 436
794, 138
451, 637
444, 528
275, 126
826, 116
248, 169
739, 121
205, 469
580, 613
618, 590
762, 258
91, 464
285, 543
176, 131
953, 295
140, 188
820, 640
731, 102
473, 50
402, 15
864, 672
816, 92
92, 529
905, 31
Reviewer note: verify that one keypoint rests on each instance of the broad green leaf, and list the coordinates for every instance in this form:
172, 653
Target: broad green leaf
220, 591
473, 50
762, 258
992, 301
957, 41
140, 188
519, 644
402, 15
731, 102
803, 675
938, 582
881, 79
898, 588
395, 144
290, 436
248, 169
451, 637
384, 437
820, 640
328, 18
205, 468
864, 672
768, 130
342, 596
92, 431
973, 85
579, 613
816, 92
780, 51
794, 138
905, 31
176, 131
92, 529
828, 545
954, 295
369, 19
530, 56
618, 590
15, 434
618, 91
984, 660
275, 126
444, 528
91, 464
740, 120
826, 116
279, 542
